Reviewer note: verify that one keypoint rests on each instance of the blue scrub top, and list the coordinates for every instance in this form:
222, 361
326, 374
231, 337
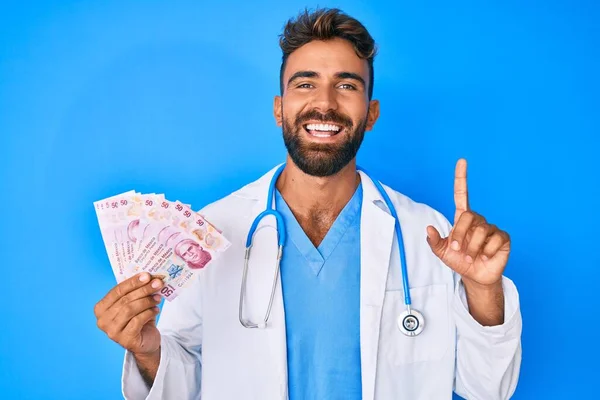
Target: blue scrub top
321, 296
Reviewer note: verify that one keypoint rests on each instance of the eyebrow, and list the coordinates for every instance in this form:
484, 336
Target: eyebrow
303, 74
339, 75
351, 75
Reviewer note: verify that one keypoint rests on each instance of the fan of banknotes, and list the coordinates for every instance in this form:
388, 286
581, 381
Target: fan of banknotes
146, 232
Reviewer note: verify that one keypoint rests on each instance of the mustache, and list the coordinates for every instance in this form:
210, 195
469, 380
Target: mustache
331, 116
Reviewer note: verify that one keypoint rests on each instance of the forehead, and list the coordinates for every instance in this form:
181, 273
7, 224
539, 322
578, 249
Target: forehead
327, 58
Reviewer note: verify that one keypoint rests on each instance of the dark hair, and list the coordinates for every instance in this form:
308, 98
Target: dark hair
326, 24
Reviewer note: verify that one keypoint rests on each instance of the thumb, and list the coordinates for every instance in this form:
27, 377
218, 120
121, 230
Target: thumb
435, 241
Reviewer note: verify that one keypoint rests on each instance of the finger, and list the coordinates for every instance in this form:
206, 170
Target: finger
479, 234
146, 289
137, 323
150, 288
460, 230
495, 243
121, 290
106, 320
461, 197
436, 242
132, 309
111, 320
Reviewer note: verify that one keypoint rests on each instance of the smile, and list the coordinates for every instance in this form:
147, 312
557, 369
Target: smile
323, 130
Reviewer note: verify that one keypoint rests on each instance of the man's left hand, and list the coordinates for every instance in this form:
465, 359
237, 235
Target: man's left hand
475, 249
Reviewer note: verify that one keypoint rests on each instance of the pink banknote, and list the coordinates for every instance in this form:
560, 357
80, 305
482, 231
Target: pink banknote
146, 232
112, 218
144, 211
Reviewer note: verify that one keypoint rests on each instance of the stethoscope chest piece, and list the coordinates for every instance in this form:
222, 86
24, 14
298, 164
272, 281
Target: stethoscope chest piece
411, 322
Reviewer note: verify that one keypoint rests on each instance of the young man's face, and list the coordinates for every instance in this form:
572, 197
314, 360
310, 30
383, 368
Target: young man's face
325, 107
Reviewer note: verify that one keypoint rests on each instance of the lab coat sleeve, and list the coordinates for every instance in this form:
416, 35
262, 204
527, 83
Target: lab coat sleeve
179, 371
488, 358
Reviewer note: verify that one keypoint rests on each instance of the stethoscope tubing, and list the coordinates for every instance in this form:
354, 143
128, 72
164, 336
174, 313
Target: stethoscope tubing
281, 238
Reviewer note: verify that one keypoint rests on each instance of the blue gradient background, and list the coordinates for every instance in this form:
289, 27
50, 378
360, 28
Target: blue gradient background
97, 98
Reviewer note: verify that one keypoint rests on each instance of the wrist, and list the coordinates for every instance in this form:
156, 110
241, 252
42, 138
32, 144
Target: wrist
148, 364
147, 356
472, 286
486, 302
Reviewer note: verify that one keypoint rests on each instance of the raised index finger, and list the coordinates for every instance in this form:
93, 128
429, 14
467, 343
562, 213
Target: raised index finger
461, 195
120, 290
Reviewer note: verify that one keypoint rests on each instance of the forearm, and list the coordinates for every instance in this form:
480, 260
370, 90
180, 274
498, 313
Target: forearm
148, 366
486, 303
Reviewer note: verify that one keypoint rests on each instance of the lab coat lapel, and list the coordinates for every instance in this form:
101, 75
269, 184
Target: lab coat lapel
261, 272
376, 239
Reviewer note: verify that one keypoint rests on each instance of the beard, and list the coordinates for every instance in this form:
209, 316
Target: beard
320, 159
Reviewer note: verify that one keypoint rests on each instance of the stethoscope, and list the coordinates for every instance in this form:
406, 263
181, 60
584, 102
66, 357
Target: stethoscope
410, 322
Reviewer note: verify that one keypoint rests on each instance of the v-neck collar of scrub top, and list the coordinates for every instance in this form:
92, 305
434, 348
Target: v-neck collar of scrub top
317, 256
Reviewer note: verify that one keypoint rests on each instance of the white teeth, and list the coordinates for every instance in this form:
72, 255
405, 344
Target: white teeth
323, 128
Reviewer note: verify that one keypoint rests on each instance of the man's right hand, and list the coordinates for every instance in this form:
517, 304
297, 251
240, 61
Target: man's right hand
127, 314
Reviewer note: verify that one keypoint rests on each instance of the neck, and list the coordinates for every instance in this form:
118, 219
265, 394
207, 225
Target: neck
305, 192
317, 201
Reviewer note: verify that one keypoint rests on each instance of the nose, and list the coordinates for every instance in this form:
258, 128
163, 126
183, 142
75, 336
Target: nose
325, 99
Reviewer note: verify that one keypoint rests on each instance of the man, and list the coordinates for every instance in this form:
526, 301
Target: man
333, 331
192, 253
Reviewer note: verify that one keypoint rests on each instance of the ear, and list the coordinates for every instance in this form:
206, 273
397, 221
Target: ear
373, 114
277, 110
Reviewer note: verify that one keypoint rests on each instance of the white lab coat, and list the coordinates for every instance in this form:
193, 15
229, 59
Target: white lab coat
207, 354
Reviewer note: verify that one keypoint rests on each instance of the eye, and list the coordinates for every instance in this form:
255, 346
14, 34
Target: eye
347, 86
304, 86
